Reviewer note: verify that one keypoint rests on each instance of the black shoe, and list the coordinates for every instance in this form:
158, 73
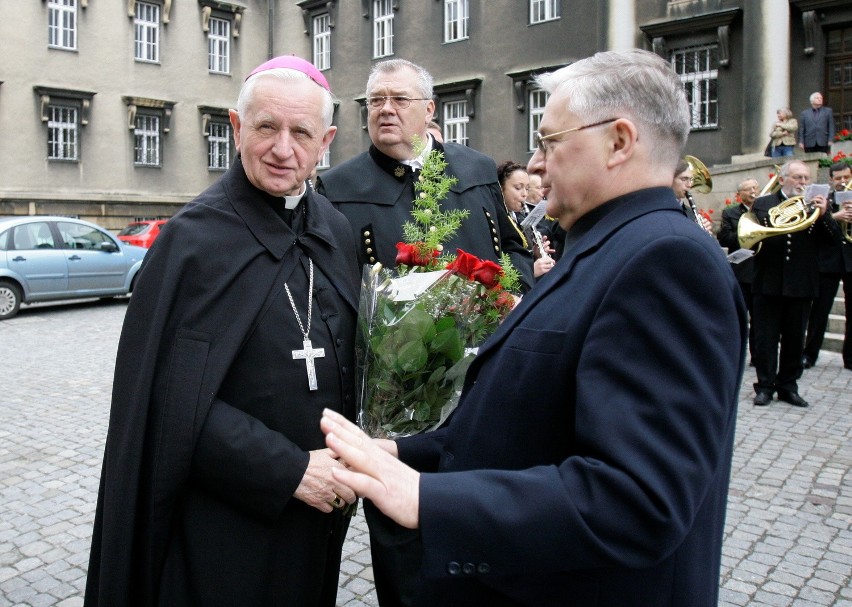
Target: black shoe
848, 367
792, 398
807, 363
762, 399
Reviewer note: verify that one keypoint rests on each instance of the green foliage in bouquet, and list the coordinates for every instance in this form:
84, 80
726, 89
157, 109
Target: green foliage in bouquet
414, 349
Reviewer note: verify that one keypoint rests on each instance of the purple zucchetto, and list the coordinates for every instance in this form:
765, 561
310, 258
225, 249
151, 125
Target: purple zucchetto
293, 63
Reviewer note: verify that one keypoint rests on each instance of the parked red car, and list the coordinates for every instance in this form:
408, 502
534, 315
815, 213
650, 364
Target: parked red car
141, 233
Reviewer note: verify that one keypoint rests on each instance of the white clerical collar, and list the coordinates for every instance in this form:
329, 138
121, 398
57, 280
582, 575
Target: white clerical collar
417, 163
290, 202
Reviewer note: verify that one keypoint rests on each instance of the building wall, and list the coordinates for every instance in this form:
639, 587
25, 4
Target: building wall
768, 67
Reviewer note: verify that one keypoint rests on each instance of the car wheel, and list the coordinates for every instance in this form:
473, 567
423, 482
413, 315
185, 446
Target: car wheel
10, 299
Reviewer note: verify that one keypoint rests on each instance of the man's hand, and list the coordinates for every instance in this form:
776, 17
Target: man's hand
820, 202
319, 488
373, 470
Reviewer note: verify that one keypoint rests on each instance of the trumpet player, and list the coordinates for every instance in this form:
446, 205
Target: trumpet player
681, 185
835, 265
785, 282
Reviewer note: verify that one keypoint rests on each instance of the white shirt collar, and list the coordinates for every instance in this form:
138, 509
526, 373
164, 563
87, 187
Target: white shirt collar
290, 202
417, 163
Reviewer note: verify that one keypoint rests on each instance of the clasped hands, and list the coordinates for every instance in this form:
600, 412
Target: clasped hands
372, 470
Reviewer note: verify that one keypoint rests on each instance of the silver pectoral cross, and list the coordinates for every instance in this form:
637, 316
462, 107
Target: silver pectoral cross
309, 353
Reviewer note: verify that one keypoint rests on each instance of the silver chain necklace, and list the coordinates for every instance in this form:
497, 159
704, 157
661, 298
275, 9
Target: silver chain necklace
308, 353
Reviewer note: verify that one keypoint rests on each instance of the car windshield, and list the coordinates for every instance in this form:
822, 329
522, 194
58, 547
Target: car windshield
134, 229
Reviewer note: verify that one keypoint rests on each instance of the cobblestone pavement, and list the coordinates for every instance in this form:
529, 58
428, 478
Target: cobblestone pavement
788, 539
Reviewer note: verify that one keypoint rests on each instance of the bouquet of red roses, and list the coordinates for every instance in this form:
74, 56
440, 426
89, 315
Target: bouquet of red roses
419, 327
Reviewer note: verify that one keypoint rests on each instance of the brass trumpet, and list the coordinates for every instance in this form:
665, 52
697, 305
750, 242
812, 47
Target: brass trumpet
846, 226
792, 215
702, 182
773, 185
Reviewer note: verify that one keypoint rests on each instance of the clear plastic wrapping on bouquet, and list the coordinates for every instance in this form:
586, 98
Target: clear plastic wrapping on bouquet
417, 335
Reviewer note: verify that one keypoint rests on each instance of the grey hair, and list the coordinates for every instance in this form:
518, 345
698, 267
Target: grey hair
785, 168
633, 84
283, 73
424, 78
813, 96
741, 184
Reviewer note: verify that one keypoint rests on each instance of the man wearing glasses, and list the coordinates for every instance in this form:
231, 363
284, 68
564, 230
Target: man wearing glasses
598, 473
375, 189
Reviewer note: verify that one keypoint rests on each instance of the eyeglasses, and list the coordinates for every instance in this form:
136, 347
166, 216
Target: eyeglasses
539, 139
398, 102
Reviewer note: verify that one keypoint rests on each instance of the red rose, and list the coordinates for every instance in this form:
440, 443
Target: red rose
464, 264
410, 255
488, 273
505, 301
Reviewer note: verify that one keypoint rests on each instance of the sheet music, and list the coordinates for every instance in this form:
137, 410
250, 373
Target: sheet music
535, 216
816, 189
740, 255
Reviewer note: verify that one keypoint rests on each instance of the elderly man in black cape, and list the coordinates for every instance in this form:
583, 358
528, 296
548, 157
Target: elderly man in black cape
216, 488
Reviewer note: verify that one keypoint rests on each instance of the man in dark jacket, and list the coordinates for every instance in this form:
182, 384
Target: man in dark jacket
727, 236
597, 473
375, 189
816, 126
835, 265
786, 280
216, 488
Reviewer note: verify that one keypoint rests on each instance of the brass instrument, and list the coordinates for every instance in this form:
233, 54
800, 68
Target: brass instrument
773, 185
702, 182
792, 215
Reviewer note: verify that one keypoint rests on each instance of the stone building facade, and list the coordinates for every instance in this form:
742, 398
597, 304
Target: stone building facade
112, 110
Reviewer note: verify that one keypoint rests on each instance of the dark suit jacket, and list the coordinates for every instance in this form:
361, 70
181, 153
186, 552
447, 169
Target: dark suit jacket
727, 236
816, 127
835, 253
786, 264
375, 193
595, 472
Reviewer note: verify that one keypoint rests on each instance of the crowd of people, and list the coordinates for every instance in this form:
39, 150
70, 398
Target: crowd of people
589, 457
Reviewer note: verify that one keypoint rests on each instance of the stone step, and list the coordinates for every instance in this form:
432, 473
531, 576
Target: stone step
836, 325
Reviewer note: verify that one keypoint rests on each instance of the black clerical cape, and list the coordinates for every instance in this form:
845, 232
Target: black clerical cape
211, 416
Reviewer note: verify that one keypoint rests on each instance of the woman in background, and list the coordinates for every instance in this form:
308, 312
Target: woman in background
783, 134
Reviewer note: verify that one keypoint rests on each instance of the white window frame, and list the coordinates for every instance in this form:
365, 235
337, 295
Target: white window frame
694, 66
62, 24
219, 145
544, 10
455, 121
147, 139
219, 46
146, 36
382, 28
322, 41
537, 99
63, 133
325, 161
456, 20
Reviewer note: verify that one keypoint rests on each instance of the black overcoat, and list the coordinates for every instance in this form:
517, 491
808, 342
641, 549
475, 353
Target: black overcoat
208, 278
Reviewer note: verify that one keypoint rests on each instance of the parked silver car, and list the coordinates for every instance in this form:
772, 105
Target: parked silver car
51, 258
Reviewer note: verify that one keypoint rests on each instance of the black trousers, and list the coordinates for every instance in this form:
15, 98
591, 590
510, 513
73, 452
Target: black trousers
820, 310
779, 321
396, 556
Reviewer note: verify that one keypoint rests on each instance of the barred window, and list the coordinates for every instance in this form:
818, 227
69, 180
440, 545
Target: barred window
146, 135
455, 122
219, 46
543, 10
62, 133
325, 161
382, 28
322, 41
147, 32
537, 101
456, 14
219, 146
698, 68
62, 24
